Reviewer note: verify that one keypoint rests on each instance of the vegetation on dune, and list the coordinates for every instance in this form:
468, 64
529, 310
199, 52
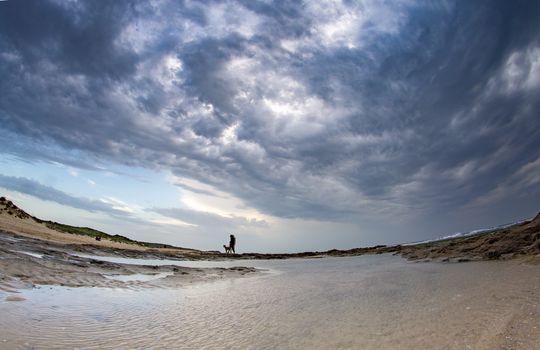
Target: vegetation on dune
12, 210
86, 231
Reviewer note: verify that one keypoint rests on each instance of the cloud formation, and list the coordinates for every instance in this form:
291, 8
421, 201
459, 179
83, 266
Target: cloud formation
328, 110
210, 220
47, 193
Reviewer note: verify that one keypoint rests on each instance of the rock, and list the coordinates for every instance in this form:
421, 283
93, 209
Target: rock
492, 255
15, 298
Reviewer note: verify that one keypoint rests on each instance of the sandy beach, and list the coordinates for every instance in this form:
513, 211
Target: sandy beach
367, 302
26, 262
32, 254
478, 292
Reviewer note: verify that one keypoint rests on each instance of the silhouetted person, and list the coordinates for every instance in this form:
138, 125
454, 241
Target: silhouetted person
232, 242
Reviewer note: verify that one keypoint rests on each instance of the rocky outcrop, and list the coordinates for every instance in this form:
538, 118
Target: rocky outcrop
7, 207
518, 240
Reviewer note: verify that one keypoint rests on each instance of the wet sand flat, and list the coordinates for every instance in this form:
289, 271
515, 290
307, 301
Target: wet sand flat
28, 262
367, 302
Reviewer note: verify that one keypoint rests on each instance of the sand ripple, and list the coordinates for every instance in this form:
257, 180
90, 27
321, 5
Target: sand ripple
348, 303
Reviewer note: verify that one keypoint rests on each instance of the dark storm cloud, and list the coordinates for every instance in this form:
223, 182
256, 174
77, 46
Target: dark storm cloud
79, 36
47, 193
307, 110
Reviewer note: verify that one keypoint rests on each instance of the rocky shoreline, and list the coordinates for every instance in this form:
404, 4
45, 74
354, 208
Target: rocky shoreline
27, 263
33, 254
520, 240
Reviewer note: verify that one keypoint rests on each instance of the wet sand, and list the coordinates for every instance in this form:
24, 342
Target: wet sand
365, 302
31, 253
331, 302
27, 262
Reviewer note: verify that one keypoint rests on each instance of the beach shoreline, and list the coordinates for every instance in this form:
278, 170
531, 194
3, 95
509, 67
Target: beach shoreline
522, 239
477, 292
31, 253
368, 302
29, 262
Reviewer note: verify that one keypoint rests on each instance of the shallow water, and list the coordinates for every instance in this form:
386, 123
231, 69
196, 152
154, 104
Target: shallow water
163, 262
138, 277
35, 255
356, 302
11, 239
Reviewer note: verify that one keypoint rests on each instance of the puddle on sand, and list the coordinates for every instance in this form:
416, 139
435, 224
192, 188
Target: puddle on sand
139, 277
11, 239
163, 262
35, 255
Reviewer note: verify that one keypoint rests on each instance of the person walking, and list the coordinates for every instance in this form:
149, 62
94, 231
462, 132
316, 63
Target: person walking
232, 243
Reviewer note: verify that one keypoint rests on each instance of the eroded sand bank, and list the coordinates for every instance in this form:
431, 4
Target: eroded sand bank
26, 262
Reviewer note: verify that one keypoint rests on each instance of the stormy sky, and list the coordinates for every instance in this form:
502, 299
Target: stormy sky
296, 125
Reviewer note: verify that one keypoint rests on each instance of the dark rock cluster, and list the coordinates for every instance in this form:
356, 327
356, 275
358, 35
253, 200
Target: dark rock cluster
8, 207
518, 240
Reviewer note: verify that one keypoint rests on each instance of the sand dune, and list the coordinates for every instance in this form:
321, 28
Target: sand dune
13, 219
33, 254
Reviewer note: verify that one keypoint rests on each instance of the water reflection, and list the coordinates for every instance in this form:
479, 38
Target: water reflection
139, 277
163, 262
35, 255
320, 303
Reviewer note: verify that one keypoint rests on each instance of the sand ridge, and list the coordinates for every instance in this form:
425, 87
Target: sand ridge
16, 220
515, 241
32, 254
29, 262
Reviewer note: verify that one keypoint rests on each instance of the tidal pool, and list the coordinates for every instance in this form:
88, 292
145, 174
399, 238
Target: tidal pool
367, 302
163, 262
